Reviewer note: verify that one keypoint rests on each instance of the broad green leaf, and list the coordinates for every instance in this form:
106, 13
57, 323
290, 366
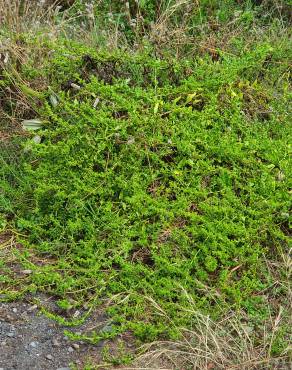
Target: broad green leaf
32, 124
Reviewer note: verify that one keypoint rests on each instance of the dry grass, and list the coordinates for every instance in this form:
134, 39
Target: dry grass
165, 33
230, 343
15, 103
22, 15
19, 99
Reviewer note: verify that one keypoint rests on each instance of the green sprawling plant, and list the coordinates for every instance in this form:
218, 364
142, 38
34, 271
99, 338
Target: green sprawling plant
155, 187
154, 178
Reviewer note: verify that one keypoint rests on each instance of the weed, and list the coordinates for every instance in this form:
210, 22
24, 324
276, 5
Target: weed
157, 187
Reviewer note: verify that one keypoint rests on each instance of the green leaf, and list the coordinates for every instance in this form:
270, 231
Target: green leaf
32, 124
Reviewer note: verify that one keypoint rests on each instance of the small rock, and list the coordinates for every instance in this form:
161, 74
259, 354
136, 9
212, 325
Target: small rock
33, 344
70, 349
76, 313
14, 309
10, 335
65, 337
3, 343
75, 86
63, 368
75, 345
37, 139
49, 357
131, 140
31, 308
26, 272
55, 343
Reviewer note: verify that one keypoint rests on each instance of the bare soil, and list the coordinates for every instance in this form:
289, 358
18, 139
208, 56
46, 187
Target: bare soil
31, 341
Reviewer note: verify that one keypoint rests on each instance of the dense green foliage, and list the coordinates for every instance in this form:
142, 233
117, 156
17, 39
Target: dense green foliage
174, 181
159, 184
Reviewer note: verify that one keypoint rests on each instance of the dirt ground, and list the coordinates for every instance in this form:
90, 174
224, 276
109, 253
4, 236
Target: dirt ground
31, 341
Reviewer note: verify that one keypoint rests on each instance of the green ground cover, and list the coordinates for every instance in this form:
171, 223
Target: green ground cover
154, 183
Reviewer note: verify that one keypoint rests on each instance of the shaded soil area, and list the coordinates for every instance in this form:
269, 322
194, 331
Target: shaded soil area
31, 341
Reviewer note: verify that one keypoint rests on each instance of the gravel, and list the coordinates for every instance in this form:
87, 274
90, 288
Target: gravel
55, 343
31, 341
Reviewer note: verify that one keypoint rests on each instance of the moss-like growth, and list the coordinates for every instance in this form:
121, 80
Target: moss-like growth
152, 178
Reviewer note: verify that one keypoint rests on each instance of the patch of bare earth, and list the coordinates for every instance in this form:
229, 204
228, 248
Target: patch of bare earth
31, 341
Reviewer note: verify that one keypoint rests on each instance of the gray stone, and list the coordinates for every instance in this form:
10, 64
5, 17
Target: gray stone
26, 272
49, 357
31, 308
55, 343
37, 139
131, 140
